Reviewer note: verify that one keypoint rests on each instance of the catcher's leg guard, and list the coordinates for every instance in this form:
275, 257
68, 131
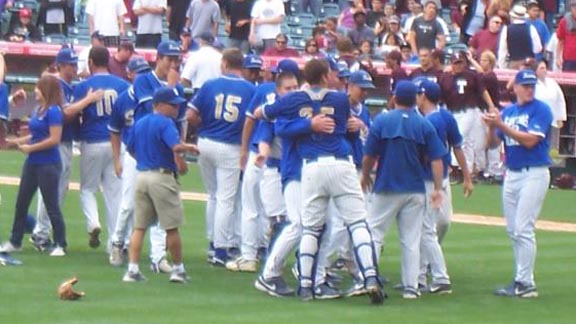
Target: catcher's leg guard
363, 248
307, 255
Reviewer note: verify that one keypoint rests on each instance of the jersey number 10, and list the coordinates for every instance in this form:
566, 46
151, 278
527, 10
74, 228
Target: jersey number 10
104, 106
227, 107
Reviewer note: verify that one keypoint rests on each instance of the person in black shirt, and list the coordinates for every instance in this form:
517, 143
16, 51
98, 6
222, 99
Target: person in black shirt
176, 16
238, 23
23, 29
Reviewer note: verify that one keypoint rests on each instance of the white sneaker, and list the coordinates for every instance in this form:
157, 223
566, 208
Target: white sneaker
242, 265
115, 258
161, 266
58, 252
9, 248
179, 277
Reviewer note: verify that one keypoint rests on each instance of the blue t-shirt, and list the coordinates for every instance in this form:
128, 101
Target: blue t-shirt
39, 126
543, 32
122, 118
404, 142
358, 139
68, 129
264, 94
222, 105
151, 144
535, 118
94, 118
449, 134
300, 104
4, 104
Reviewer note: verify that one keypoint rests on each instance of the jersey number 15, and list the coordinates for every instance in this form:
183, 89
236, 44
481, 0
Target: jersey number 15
227, 107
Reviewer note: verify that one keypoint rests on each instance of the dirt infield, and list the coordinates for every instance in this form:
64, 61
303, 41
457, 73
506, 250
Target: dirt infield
458, 218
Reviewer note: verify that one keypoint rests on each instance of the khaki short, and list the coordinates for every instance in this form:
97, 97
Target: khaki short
157, 199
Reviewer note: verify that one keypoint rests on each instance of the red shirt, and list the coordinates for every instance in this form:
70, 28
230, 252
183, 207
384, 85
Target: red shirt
462, 90
288, 52
569, 38
485, 40
117, 68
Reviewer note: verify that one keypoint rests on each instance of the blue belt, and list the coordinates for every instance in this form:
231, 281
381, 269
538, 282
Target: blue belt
526, 168
335, 157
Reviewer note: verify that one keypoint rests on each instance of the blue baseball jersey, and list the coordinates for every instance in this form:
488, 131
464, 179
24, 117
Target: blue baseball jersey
306, 104
535, 118
4, 103
94, 118
264, 94
449, 134
151, 144
68, 129
144, 87
222, 104
291, 162
122, 118
358, 139
39, 126
404, 142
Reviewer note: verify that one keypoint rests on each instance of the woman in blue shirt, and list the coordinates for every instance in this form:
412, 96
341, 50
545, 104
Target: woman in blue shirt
42, 167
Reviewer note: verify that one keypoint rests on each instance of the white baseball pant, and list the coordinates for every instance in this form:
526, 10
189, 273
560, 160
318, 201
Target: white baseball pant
408, 210
97, 169
523, 195
220, 168
252, 209
474, 133
43, 225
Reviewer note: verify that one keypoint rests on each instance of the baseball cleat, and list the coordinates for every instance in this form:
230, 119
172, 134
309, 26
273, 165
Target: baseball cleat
116, 258
220, 258
375, 291
161, 266
39, 243
130, 276
276, 287
410, 293
305, 294
517, 289
324, 291
356, 290
440, 289
179, 277
7, 260
58, 251
242, 265
94, 238
8, 247
295, 271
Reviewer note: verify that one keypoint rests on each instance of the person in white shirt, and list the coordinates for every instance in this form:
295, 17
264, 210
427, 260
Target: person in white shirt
83, 69
267, 17
517, 48
150, 13
107, 17
203, 17
549, 91
203, 64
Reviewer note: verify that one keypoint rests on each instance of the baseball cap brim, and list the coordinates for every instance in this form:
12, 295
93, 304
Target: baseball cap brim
176, 101
365, 85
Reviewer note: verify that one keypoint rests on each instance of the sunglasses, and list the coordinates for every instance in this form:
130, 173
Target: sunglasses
280, 42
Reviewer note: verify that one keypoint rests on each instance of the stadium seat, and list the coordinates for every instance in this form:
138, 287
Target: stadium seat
292, 21
55, 39
330, 10
307, 19
454, 48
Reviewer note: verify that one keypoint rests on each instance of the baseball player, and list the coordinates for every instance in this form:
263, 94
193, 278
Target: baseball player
66, 61
327, 172
426, 68
219, 110
401, 140
154, 144
96, 161
431, 254
524, 128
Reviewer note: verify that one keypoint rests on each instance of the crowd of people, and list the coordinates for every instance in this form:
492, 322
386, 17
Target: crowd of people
287, 157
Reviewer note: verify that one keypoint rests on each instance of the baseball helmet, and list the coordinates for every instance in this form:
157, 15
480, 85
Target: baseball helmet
565, 181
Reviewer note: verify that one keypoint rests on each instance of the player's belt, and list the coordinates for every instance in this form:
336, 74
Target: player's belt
329, 158
527, 168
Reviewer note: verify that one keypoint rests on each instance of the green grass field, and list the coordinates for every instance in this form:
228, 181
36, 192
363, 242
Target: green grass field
479, 259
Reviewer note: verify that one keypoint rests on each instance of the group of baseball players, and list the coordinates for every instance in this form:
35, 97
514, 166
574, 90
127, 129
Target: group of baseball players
288, 167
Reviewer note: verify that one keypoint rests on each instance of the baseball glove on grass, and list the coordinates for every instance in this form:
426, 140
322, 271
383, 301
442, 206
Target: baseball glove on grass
65, 291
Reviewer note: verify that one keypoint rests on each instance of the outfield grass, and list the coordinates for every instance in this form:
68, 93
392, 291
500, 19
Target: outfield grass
479, 259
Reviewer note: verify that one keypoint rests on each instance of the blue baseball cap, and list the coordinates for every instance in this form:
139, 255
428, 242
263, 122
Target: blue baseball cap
138, 65
406, 90
168, 48
287, 65
332, 62
361, 79
252, 61
430, 89
526, 77
66, 56
343, 71
167, 95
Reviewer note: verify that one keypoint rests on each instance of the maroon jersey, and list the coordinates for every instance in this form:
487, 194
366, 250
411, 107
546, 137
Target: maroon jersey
461, 91
493, 87
398, 74
432, 74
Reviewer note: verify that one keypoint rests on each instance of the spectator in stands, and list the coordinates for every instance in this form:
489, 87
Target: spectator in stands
318, 36
267, 17
552, 47
331, 35
83, 69
393, 35
187, 44
408, 56
361, 31
501, 8
150, 14
366, 51
314, 6
487, 39
534, 18
238, 24
408, 19
312, 50
381, 29
52, 16
474, 18
119, 61
374, 15
549, 91
176, 17
518, 40
281, 48
427, 31
394, 63
389, 10
202, 17
346, 19
437, 58
107, 18
23, 30
4, 4
566, 48
203, 64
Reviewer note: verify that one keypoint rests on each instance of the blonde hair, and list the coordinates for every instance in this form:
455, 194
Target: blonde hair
488, 55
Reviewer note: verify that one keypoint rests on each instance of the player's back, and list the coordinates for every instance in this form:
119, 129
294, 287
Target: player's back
449, 134
122, 118
95, 117
222, 104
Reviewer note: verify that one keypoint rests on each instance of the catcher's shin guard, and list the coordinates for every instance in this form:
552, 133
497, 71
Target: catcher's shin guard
363, 248
307, 255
